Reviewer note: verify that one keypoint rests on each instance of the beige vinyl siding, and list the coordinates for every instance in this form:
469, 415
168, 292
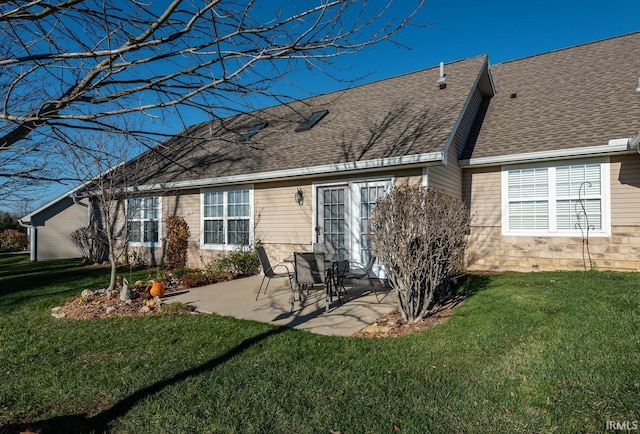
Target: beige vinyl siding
489, 250
408, 177
411, 176
448, 177
185, 204
466, 123
278, 218
625, 190
54, 227
482, 193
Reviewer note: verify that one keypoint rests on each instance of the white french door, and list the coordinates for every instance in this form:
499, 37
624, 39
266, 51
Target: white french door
342, 217
333, 217
369, 193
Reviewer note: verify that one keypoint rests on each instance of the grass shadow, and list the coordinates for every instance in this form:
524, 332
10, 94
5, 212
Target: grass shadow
20, 288
99, 423
470, 284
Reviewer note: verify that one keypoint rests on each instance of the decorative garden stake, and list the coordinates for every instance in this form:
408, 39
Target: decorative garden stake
581, 214
124, 292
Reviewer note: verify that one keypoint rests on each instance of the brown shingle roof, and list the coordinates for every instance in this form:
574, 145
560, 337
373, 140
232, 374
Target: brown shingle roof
575, 97
404, 115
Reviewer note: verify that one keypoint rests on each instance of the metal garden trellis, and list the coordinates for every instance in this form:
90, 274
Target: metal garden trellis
581, 214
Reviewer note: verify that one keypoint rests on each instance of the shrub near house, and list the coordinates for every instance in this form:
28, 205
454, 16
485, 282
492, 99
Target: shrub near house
12, 240
420, 235
12, 237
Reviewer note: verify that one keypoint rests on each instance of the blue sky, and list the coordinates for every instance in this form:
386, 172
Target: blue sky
505, 30
453, 30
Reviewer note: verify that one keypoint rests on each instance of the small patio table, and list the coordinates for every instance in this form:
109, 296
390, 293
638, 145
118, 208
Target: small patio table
330, 260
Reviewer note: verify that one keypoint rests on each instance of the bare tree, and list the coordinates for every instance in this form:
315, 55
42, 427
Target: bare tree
110, 190
419, 234
90, 65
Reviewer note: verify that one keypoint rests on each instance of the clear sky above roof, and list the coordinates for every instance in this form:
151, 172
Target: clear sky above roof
503, 29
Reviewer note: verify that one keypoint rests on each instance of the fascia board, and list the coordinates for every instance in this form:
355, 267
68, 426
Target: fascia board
613, 146
493, 86
483, 68
303, 172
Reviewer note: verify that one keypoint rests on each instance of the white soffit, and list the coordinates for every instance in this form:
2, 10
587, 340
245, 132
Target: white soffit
616, 145
303, 172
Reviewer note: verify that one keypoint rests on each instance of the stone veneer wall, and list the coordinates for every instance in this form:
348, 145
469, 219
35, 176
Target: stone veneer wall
488, 250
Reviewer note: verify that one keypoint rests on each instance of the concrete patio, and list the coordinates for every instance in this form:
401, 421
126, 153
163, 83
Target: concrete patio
237, 298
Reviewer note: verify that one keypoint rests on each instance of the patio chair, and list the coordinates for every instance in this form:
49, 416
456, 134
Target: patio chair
359, 273
330, 249
270, 273
341, 268
326, 247
310, 271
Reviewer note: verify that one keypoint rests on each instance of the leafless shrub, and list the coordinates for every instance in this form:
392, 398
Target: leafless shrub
420, 235
91, 243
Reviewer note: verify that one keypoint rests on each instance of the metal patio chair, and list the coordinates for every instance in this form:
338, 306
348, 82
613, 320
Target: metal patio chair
310, 271
358, 273
270, 273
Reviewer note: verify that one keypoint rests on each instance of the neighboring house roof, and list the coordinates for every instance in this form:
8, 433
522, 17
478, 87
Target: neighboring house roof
27, 220
398, 121
575, 98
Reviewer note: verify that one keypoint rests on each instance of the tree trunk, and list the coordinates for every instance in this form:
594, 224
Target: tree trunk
113, 261
112, 276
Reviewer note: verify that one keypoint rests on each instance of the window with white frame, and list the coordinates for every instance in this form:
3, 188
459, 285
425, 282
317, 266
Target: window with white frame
143, 215
226, 218
557, 199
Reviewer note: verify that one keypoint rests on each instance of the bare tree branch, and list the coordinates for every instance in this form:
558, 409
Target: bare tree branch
85, 60
102, 165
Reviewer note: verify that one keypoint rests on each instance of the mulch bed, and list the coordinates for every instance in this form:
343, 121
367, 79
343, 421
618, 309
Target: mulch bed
392, 325
101, 305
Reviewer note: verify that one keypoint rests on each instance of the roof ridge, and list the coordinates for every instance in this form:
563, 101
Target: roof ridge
348, 88
597, 41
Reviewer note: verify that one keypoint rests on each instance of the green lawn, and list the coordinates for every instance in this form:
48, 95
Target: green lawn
544, 352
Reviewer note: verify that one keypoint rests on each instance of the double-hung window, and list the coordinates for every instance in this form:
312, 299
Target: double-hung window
143, 215
528, 194
226, 218
556, 199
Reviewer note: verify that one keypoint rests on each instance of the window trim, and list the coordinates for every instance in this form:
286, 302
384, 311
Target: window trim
311, 121
252, 131
226, 190
605, 197
160, 221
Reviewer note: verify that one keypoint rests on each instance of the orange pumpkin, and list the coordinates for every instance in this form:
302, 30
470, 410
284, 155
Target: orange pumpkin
157, 289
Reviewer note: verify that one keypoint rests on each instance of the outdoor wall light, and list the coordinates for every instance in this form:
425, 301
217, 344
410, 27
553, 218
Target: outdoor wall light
299, 196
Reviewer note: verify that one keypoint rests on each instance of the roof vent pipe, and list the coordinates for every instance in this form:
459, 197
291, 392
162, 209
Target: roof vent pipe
442, 81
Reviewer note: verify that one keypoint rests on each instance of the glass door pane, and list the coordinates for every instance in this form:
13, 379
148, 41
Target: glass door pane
332, 217
368, 197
